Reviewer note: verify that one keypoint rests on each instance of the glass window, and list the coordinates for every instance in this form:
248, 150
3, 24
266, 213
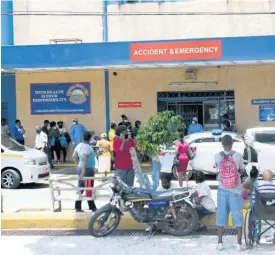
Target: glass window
265, 137
11, 144
205, 140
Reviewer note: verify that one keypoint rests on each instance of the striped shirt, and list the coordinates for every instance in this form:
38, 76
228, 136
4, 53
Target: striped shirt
263, 187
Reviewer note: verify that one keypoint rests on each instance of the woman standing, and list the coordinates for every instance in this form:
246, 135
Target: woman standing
54, 141
84, 157
104, 155
183, 158
124, 164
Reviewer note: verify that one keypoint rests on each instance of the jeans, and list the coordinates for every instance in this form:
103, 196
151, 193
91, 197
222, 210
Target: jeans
202, 211
127, 176
81, 184
155, 175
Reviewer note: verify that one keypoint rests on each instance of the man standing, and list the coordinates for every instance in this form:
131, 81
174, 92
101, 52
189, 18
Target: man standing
195, 127
19, 132
76, 133
41, 140
229, 198
4, 127
45, 130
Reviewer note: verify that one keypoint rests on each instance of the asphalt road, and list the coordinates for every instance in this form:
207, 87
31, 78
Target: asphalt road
124, 245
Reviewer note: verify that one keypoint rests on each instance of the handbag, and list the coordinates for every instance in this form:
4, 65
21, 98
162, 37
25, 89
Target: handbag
190, 153
53, 141
176, 160
88, 184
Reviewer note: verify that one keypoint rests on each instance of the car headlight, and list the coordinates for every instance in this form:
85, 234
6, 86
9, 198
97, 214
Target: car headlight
28, 161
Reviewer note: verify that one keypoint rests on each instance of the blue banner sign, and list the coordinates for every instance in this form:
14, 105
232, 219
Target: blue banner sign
267, 113
263, 101
61, 98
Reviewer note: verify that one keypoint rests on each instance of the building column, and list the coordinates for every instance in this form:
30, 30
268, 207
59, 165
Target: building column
106, 71
6, 22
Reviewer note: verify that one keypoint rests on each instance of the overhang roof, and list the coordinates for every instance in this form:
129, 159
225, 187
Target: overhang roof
234, 51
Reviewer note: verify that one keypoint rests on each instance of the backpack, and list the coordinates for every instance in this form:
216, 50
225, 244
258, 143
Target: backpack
229, 175
63, 142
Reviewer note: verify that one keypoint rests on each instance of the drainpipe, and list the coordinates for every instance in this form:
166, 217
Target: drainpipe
6, 22
106, 71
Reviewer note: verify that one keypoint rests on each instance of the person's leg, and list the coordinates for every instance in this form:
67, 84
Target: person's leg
91, 203
202, 211
236, 208
121, 174
180, 178
52, 152
64, 151
222, 214
78, 203
57, 149
155, 174
130, 177
185, 176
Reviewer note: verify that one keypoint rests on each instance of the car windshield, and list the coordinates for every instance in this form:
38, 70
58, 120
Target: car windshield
11, 144
267, 137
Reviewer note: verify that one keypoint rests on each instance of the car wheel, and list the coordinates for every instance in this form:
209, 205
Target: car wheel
175, 173
10, 179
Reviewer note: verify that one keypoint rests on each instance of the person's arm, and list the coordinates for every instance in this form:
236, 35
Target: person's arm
75, 157
123, 141
117, 144
45, 140
84, 162
72, 131
241, 164
247, 185
14, 132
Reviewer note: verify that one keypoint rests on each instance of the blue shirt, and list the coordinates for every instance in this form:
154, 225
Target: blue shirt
195, 128
19, 132
76, 132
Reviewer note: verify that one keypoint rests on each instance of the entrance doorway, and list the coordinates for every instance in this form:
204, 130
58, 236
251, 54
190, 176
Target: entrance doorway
207, 106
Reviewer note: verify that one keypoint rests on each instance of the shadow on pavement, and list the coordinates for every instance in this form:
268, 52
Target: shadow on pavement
34, 186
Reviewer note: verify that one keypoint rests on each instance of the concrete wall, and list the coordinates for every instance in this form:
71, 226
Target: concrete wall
143, 85
93, 122
156, 27
37, 29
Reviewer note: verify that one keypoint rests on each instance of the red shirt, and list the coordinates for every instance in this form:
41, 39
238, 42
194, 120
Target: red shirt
123, 158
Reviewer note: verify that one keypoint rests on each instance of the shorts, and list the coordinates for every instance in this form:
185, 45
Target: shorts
228, 202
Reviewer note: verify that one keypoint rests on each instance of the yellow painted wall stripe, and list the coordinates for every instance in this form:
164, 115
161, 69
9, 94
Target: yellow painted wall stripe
11, 156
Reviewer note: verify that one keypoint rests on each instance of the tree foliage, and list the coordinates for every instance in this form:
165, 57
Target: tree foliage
160, 129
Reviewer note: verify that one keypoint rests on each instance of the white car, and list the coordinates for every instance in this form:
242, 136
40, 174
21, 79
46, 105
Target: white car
261, 148
20, 164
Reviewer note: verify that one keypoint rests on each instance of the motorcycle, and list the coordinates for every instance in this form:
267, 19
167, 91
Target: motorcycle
173, 211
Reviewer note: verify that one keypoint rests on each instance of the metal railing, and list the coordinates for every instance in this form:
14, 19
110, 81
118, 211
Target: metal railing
56, 190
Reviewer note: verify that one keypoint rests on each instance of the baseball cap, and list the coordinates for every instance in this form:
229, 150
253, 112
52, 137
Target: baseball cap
75, 119
103, 135
195, 119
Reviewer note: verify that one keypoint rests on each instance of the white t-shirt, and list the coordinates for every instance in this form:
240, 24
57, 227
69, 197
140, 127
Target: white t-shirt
167, 161
238, 160
84, 148
41, 140
206, 198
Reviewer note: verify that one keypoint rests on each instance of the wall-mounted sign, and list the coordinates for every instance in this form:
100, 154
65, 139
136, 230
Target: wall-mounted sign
129, 104
169, 51
263, 101
267, 113
61, 98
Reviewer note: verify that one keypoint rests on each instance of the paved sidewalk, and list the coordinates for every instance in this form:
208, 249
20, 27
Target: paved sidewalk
139, 245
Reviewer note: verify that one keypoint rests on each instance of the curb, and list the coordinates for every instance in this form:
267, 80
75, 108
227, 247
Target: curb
65, 220
53, 220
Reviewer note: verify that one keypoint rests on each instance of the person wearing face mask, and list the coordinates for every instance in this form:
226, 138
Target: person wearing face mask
76, 133
195, 127
136, 128
54, 136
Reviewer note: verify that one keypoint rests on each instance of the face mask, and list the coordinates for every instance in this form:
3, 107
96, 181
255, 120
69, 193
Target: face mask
74, 123
60, 126
193, 122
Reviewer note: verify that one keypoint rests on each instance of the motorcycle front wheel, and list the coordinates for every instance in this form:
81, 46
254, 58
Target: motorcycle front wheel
104, 221
186, 221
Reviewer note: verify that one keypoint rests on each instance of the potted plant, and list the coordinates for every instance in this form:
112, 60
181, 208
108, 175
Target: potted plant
159, 130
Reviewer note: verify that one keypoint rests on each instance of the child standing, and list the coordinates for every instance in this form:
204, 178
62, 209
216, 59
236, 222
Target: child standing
249, 187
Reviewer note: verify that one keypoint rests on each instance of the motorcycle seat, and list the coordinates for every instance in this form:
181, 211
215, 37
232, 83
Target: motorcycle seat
169, 194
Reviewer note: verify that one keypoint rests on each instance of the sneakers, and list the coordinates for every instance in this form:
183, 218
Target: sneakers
219, 247
240, 248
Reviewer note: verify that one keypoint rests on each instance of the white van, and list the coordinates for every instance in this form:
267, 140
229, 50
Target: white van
20, 164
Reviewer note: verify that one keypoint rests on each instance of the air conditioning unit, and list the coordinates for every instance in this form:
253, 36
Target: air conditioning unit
190, 74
